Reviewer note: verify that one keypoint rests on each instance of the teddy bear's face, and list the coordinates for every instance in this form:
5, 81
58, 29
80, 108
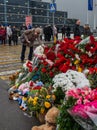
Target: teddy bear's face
52, 115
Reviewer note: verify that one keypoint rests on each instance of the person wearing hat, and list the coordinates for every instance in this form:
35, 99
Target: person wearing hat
27, 39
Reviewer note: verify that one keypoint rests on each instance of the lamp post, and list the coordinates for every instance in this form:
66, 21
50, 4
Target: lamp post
95, 5
5, 12
28, 7
53, 9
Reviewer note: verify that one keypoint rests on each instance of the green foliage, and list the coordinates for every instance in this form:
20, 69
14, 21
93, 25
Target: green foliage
93, 80
45, 78
64, 120
59, 95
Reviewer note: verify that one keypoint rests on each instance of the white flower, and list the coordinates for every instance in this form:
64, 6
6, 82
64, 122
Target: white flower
70, 79
86, 71
89, 54
77, 56
39, 50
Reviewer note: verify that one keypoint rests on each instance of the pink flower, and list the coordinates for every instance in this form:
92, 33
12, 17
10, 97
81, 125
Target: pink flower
72, 93
79, 101
79, 111
85, 101
78, 91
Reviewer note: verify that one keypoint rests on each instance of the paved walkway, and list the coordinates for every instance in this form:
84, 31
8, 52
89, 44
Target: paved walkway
10, 59
11, 117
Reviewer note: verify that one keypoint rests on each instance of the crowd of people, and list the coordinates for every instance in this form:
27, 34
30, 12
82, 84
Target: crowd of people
10, 33
28, 35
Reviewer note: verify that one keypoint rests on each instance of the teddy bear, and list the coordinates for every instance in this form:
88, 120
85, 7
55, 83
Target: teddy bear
50, 119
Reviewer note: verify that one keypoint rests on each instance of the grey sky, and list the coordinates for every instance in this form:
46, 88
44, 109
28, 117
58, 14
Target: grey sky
76, 9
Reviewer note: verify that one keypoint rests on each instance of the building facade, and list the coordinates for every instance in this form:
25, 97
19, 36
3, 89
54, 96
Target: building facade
14, 13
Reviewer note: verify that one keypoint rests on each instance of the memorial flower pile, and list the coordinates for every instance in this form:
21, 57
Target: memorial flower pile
59, 58
68, 66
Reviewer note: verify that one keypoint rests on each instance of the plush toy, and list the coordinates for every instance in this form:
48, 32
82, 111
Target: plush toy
22, 102
50, 119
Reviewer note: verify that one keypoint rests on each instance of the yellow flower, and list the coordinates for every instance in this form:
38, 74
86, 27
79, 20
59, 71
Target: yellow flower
76, 62
79, 69
54, 97
24, 98
48, 96
30, 99
47, 104
34, 102
42, 110
35, 98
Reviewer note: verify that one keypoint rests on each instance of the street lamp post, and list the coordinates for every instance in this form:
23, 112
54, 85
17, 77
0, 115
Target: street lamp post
95, 5
53, 22
53, 9
28, 8
5, 11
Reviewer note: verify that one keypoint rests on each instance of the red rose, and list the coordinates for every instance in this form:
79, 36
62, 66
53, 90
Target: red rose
51, 74
30, 69
43, 70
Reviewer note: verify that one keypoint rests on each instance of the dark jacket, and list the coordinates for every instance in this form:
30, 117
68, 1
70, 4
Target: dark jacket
63, 30
87, 32
77, 31
68, 31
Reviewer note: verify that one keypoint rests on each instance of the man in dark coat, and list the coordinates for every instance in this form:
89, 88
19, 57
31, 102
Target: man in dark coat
63, 30
77, 31
27, 39
68, 29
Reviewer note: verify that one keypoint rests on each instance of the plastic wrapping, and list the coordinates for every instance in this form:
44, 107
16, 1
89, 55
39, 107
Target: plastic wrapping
88, 119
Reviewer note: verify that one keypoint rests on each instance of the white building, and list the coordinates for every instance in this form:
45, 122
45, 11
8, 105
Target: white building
78, 9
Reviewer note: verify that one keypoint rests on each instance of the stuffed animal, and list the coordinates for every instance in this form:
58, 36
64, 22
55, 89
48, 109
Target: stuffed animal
50, 119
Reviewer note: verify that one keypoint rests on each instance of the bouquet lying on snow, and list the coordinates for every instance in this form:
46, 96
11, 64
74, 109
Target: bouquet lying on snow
81, 104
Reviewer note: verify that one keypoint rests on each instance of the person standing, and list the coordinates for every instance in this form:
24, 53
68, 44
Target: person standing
14, 35
77, 31
9, 34
29, 26
27, 39
23, 28
3, 35
68, 29
63, 31
87, 31
55, 31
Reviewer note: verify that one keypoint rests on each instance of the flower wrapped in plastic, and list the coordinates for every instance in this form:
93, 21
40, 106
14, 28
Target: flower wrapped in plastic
81, 104
85, 115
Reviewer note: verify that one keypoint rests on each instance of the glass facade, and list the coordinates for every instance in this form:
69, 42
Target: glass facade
14, 12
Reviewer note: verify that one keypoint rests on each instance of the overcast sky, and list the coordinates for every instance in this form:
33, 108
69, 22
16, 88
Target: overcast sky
76, 9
